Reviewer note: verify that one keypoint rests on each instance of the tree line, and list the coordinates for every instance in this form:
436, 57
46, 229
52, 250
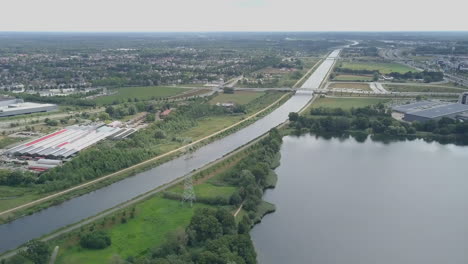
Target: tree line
377, 120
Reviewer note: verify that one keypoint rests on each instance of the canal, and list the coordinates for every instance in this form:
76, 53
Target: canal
20, 231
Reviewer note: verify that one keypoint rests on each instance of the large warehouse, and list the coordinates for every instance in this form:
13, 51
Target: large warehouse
430, 110
13, 106
68, 141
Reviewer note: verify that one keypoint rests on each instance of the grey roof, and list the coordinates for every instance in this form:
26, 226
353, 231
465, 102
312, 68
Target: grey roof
417, 106
440, 111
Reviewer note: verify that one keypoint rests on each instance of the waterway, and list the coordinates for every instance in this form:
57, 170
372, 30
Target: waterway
344, 202
20, 231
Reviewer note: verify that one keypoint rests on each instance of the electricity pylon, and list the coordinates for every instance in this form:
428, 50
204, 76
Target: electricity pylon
189, 192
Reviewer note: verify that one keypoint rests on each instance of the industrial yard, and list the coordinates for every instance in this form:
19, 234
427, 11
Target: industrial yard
51, 150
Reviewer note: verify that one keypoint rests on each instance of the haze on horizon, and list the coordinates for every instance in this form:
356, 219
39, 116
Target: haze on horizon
232, 15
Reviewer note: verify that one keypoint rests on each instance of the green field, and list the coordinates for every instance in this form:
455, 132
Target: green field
422, 88
349, 77
141, 93
344, 103
382, 67
208, 190
6, 141
14, 196
239, 97
153, 220
343, 85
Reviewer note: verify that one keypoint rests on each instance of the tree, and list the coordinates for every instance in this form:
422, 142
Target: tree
96, 240
203, 226
228, 90
37, 251
104, 116
293, 116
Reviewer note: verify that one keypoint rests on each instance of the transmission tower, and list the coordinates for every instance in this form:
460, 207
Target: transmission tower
189, 192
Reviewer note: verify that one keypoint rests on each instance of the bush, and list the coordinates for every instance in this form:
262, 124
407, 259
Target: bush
96, 240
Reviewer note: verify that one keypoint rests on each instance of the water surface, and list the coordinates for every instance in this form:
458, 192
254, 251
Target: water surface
343, 202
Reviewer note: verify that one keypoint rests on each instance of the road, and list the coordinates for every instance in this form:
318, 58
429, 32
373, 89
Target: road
88, 205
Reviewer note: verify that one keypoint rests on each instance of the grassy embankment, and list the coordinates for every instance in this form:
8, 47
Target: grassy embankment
11, 197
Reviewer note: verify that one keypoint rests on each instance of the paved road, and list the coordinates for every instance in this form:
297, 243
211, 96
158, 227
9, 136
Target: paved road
88, 205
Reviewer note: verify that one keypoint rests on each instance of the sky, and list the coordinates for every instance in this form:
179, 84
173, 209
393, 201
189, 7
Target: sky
232, 15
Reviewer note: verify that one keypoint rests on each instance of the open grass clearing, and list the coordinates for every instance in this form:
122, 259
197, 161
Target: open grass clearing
350, 77
344, 103
14, 196
239, 97
154, 219
141, 93
358, 86
382, 67
6, 141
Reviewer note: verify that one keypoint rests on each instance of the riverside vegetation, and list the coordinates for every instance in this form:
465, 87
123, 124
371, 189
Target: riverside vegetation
376, 120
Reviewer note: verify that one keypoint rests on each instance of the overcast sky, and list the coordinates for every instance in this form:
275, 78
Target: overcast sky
232, 15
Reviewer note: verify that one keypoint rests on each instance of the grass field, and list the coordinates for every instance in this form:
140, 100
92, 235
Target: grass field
239, 97
344, 103
422, 88
208, 190
382, 67
6, 141
359, 86
141, 93
154, 219
13, 196
349, 77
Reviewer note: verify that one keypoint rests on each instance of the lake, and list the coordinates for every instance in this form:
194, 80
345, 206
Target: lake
340, 201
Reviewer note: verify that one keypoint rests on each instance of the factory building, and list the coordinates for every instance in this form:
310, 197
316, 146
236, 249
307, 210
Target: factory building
69, 141
13, 107
431, 110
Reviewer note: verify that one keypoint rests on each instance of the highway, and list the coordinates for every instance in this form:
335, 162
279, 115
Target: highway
19, 231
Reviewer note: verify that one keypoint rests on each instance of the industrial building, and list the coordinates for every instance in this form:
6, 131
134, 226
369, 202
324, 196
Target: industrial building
69, 141
13, 106
431, 110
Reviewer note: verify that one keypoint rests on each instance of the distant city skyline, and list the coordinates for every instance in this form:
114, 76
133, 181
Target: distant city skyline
231, 15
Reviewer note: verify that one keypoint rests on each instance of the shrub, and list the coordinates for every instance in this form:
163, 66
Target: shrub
96, 240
